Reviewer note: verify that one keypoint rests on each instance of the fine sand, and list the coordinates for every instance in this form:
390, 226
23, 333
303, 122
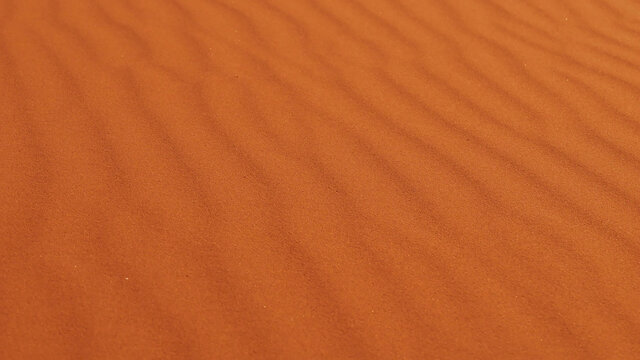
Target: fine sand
307, 179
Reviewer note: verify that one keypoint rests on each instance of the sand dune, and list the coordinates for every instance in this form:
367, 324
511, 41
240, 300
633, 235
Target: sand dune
341, 179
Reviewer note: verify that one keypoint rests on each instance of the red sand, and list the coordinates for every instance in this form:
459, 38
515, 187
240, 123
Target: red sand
340, 179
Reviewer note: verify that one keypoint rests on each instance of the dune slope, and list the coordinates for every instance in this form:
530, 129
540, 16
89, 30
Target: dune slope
380, 179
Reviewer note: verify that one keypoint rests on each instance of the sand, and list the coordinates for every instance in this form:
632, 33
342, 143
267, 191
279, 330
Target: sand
340, 179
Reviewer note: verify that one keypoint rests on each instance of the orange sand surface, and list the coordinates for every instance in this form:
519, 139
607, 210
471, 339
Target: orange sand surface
307, 179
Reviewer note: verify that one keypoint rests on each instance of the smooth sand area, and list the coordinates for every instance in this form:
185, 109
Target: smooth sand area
319, 179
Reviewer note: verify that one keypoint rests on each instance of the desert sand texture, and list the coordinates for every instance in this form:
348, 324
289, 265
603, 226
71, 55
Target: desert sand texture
307, 179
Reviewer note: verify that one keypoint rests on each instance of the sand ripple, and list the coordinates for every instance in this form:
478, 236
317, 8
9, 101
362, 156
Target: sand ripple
319, 179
